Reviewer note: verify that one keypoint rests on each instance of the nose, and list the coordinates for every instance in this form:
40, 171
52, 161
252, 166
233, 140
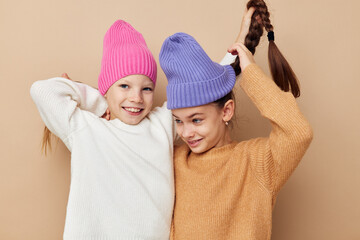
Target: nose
136, 96
187, 131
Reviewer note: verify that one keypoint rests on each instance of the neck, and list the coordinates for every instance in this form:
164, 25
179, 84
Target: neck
112, 117
226, 139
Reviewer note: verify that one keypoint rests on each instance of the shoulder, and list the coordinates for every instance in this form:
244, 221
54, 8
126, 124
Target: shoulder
161, 115
248, 146
161, 111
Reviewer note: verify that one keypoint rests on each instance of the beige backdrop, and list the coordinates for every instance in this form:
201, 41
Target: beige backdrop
42, 39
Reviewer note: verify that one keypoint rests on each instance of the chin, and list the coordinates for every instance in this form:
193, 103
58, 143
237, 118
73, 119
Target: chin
130, 121
133, 121
196, 151
199, 149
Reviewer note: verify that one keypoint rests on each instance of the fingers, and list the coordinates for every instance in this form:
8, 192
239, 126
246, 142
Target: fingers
249, 12
237, 48
258, 19
64, 75
244, 54
106, 115
245, 24
232, 51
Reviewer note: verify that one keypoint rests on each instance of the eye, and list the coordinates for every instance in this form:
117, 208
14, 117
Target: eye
196, 120
177, 121
148, 89
124, 86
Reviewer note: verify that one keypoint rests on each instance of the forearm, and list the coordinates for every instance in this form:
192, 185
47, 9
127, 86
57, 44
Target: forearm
57, 99
291, 133
90, 99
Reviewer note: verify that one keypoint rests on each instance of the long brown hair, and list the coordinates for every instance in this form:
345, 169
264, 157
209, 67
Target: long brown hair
280, 69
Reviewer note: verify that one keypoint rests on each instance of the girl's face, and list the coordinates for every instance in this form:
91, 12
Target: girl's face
203, 127
130, 99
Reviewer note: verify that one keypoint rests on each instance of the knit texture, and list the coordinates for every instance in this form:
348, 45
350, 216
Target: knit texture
193, 78
124, 53
229, 192
121, 175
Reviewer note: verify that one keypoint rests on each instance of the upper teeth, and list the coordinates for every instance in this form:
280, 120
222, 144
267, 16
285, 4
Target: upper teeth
133, 109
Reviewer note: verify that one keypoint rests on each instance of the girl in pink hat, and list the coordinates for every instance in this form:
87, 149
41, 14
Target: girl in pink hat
122, 183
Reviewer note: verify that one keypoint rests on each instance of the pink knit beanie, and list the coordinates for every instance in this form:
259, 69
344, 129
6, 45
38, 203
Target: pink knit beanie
125, 53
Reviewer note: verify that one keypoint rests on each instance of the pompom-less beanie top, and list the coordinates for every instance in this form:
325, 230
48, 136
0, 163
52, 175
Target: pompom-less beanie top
124, 53
193, 78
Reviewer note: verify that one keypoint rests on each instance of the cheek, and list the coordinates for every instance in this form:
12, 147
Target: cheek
148, 102
149, 98
110, 105
178, 130
114, 100
204, 130
212, 129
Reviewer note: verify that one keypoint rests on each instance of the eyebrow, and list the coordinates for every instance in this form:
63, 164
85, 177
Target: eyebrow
123, 81
191, 116
126, 81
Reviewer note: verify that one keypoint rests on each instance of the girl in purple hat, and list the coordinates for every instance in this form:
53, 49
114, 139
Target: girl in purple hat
226, 189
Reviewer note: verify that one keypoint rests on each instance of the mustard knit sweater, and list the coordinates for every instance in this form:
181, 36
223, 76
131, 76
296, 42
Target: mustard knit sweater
229, 192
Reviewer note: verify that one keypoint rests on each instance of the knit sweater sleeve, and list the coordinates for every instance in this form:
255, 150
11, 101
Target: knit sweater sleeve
59, 99
276, 157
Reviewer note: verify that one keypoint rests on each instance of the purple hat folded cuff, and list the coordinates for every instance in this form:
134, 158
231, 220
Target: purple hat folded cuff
191, 94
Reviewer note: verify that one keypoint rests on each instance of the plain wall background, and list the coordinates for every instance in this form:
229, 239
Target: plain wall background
42, 39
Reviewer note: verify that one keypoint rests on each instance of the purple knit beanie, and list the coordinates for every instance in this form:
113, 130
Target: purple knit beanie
124, 53
193, 78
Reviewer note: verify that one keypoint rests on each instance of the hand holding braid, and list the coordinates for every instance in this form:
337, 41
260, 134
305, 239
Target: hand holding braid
281, 71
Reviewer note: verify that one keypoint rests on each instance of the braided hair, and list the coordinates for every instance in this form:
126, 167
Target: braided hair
280, 69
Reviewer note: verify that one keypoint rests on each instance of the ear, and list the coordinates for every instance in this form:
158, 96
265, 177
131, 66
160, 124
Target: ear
228, 110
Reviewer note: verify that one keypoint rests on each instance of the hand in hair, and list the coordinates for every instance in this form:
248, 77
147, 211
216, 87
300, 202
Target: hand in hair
106, 115
245, 25
245, 56
64, 75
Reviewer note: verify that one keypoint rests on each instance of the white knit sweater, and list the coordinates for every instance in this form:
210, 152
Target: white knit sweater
122, 183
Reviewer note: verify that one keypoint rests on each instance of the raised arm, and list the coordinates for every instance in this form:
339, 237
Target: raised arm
274, 158
229, 58
59, 100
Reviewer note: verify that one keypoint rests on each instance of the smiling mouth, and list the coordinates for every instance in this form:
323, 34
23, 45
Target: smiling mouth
132, 110
194, 143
